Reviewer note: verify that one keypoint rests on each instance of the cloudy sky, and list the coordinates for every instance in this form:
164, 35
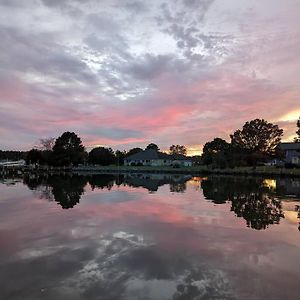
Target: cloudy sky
125, 73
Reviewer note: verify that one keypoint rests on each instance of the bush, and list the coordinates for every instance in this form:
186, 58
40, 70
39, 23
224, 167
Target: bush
289, 166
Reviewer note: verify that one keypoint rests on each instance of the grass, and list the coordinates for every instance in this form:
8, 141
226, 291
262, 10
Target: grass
260, 170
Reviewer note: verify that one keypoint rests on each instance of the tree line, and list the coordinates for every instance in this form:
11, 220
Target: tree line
257, 141
68, 150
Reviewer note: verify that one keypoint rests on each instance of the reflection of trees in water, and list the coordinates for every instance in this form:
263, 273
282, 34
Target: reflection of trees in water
34, 181
66, 190
259, 210
297, 209
152, 182
214, 190
177, 187
44, 192
203, 284
250, 199
102, 181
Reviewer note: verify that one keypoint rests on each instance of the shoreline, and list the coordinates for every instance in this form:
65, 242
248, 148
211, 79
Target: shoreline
194, 171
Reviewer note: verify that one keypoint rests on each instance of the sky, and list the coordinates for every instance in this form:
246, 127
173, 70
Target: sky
125, 73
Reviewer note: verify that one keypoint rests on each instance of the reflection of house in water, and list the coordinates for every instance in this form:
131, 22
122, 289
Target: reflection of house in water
153, 181
288, 187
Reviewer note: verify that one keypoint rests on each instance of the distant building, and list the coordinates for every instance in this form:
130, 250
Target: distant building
151, 157
291, 153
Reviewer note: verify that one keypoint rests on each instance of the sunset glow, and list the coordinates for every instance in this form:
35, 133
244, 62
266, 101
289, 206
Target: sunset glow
126, 73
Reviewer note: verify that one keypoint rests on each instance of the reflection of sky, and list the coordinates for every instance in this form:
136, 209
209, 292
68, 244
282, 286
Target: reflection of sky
128, 244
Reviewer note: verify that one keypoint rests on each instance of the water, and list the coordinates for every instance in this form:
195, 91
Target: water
149, 237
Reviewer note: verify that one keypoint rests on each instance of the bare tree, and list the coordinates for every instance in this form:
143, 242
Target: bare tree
46, 143
178, 149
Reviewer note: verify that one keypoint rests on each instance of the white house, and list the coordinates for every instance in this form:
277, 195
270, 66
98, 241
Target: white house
151, 157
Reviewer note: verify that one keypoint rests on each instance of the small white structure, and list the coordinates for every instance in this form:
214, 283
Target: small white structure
17, 163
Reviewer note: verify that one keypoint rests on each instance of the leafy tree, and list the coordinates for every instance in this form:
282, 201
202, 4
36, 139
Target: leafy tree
34, 156
102, 156
297, 139
120, 155
214, 150
133, 151
12, 155
178, 149
152, 146
257, 137
197, 160
68, 149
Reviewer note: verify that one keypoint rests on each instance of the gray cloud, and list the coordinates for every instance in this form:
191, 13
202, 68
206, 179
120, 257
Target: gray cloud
153, 65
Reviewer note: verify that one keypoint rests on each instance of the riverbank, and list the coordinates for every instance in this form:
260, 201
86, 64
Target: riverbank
194, 170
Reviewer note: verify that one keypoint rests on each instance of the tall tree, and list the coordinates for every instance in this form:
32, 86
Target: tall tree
257, 137
152, 146
34, 156
119, 157
178, 149
68, 149
214, 150
297, 139
102, 156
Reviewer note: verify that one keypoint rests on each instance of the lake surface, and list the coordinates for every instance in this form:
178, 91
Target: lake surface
149, 237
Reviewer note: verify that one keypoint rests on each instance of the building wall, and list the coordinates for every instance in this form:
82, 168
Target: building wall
292, 157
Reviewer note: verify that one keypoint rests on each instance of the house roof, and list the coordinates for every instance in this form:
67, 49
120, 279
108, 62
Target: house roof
144, 155
290, 146
152, 154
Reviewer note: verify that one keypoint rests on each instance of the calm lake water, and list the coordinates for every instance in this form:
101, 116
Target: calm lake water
149, 237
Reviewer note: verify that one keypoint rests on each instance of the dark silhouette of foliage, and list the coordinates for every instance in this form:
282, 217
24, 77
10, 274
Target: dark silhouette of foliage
257, 137
178, 149
133, 151
12, 155
67, 190
177, 187
34, 156
250, 199
119, 157
102, 181
40, 157
297, 139
33, 182
152, 146
68, 150
197, 160
214, 190
215, 152
102, 156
